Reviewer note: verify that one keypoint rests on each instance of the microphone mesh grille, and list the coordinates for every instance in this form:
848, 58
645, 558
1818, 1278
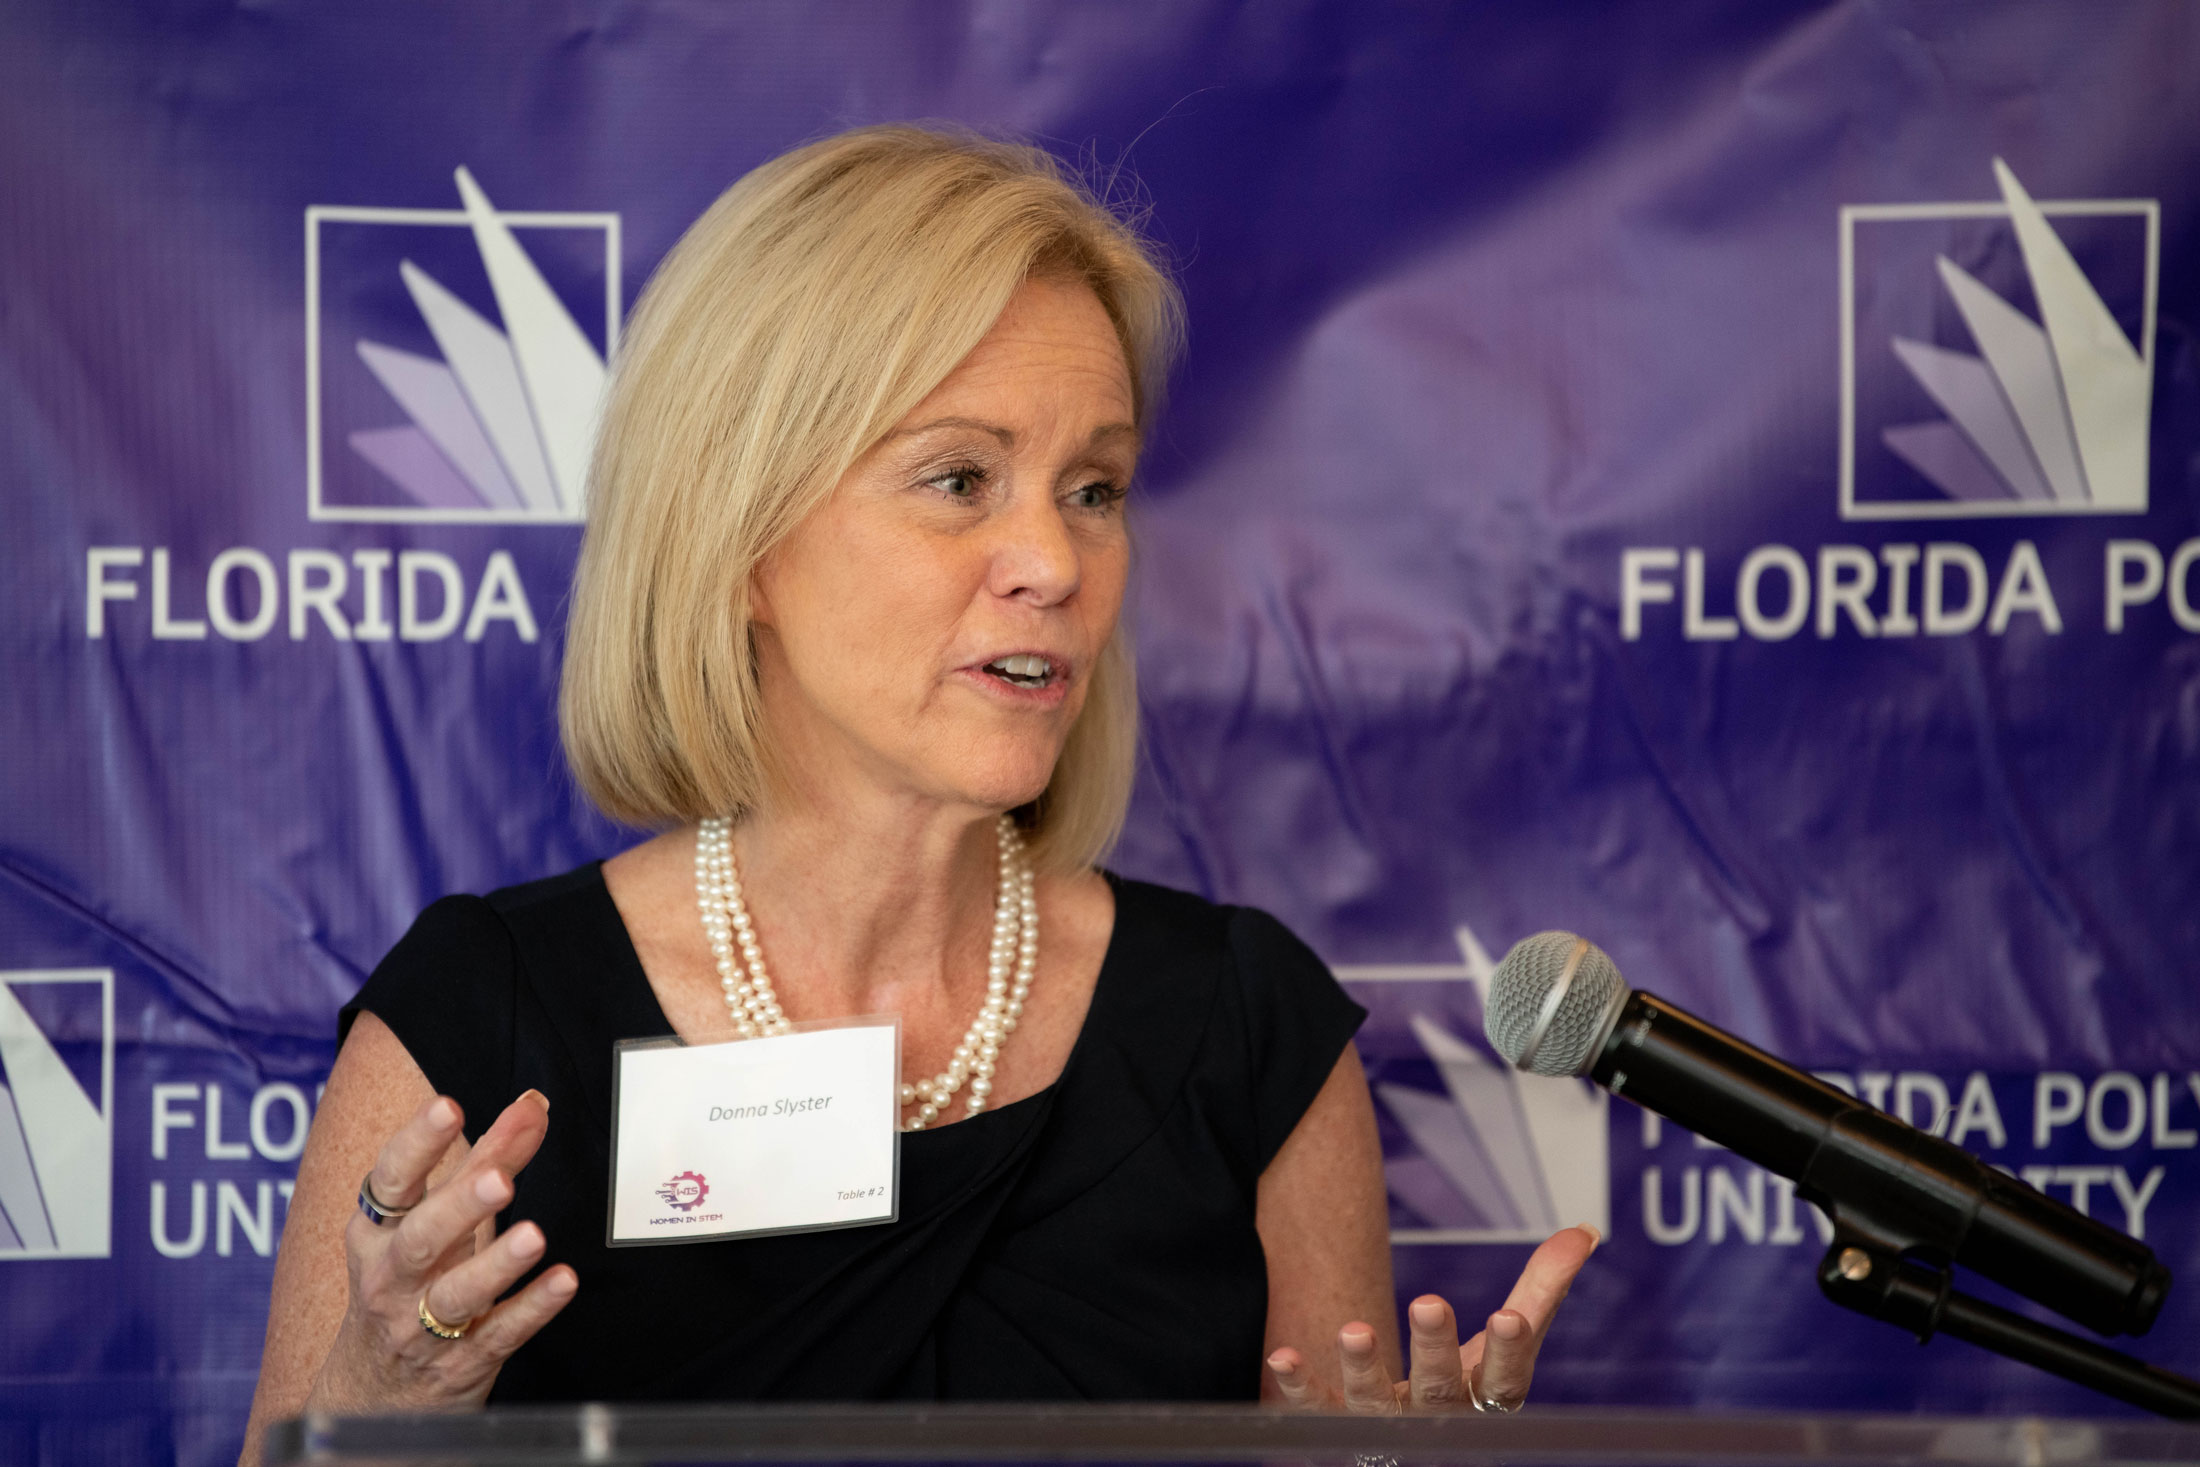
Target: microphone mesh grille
1524, 980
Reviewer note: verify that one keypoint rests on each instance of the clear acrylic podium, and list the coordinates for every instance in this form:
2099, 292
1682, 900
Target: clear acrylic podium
857, 1434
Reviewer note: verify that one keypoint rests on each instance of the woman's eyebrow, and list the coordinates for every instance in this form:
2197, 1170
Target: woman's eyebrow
1105, 433
1006, 435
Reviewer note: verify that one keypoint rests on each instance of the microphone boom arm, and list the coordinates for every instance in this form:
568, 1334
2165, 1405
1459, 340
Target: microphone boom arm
1857, 1274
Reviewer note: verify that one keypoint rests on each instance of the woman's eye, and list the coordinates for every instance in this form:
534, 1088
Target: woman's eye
958, 483
1096, 495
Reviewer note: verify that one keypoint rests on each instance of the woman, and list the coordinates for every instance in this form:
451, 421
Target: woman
845, 626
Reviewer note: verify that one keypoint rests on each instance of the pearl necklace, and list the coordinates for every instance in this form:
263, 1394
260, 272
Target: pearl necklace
1009, 967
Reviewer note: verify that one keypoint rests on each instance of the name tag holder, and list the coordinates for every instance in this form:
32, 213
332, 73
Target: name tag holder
741, 1138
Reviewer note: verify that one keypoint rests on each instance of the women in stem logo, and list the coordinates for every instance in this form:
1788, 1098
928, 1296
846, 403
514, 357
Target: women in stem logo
685, 1192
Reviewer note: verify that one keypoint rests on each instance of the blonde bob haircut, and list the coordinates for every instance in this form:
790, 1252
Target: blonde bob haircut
816, 303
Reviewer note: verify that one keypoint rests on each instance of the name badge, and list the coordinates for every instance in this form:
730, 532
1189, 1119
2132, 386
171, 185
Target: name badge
781, 1134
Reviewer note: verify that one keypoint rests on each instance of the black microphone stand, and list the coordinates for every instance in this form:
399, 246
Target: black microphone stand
1880, 1282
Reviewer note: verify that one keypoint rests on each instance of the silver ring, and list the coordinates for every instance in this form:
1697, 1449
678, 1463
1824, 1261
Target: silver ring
1488, 1405
372, 1208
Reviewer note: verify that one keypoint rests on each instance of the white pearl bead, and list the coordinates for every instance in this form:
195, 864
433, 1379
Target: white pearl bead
754, 1006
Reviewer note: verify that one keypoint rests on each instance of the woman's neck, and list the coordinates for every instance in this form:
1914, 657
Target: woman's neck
866, 906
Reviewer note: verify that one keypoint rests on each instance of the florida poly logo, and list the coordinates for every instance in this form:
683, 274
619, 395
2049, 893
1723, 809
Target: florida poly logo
57, 1090
448, 377
1988, 365
1473, 1150
685, 1192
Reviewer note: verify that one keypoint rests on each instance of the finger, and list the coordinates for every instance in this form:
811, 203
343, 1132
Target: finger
1470, 1354
472, 1288
513, 1140
1508, 1358
1435, 1376
443, 1220
514, 1322
1367, 1383
1549, 1274
1288, 1368
400, 1172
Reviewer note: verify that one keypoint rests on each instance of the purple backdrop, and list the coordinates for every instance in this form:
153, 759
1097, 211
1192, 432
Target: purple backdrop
1589, 501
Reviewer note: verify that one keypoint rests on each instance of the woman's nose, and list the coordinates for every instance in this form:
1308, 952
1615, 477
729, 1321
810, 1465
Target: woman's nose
1036, 555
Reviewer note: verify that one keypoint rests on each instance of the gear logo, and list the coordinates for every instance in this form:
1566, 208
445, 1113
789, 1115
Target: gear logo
685, 1192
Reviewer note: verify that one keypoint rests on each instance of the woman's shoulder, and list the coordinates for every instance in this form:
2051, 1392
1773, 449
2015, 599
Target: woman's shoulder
464, 927
1223, 931
575, 895
1279, 1017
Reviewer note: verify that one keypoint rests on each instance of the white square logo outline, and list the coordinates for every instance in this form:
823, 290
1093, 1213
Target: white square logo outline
1852, 214
105, 978
318, 214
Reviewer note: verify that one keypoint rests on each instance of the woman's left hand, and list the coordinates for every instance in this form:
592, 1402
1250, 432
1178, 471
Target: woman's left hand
1488, 1373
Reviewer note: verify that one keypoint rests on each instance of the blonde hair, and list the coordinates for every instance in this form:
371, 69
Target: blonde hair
805, 313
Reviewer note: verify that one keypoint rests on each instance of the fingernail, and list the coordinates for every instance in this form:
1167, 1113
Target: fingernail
1595, 1237
443, 1114
1507, 1325
1356, 1338
562, 1284
526, 1241
489, 1188
539, 1099
1428, 1314
1280, 1363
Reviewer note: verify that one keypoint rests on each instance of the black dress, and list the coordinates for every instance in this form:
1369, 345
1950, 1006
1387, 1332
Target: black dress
1092, 1242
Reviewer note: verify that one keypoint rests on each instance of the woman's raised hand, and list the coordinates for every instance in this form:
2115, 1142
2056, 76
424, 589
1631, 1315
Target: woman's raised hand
1488, 1373
430, 1265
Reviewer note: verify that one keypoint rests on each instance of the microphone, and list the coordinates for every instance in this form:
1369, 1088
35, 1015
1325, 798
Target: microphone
1558, 1006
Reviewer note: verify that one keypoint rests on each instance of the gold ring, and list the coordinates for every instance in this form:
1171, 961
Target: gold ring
437, 1327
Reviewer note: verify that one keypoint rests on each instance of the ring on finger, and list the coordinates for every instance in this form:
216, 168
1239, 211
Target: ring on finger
378, 1212
437, 1327
1489, 1405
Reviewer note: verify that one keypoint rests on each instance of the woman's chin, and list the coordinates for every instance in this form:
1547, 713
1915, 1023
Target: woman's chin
1002, 788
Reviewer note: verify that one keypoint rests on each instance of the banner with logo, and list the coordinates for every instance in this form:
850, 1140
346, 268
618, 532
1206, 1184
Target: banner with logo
1722, 479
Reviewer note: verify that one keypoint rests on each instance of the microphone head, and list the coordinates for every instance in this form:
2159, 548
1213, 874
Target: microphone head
1552, 1003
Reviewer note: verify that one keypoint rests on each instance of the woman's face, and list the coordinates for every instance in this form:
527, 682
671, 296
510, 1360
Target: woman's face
932, 628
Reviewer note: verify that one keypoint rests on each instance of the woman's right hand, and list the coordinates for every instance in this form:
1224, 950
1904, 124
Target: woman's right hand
383, 1357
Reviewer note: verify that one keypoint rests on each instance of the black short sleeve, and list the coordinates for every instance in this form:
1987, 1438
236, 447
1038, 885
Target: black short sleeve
447, 991
1298, 1020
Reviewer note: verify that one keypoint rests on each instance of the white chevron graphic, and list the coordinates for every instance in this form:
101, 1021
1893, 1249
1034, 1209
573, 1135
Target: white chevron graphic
1525, 1154
2050, 414
503, 425
56, 1142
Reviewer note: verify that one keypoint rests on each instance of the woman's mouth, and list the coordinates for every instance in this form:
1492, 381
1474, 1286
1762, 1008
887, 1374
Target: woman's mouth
1023, 670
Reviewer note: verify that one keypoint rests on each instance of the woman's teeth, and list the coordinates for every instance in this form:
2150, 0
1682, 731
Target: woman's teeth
1025, 670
